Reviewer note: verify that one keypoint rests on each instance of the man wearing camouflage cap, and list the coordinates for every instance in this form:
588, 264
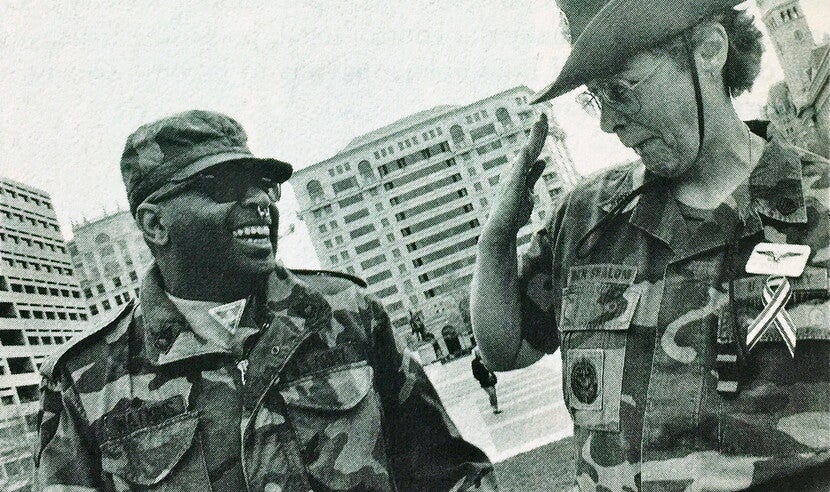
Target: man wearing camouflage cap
233, 372
688, 291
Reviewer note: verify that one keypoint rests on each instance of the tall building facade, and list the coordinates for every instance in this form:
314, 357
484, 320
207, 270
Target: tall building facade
402, 207
110, 256
41, 307
799, 110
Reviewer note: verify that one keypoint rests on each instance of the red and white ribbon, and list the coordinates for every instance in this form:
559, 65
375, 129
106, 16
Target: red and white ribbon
777, 291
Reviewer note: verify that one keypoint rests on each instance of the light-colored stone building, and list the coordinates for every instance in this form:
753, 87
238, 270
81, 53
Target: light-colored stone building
402, 207
799, 107
41, 307
110, 256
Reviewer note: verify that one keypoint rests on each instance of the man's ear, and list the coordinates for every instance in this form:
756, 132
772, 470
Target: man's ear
148, 216
712, 47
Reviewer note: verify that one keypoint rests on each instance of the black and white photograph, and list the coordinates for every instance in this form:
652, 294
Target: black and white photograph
312, 245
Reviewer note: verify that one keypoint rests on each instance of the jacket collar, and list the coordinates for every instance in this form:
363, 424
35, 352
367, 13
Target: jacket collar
169, 338
773, 189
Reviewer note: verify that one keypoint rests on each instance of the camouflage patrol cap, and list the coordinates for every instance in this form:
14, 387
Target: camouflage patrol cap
179, 146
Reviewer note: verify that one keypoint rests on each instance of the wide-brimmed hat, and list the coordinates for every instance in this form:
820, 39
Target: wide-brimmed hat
182, 145
608, 32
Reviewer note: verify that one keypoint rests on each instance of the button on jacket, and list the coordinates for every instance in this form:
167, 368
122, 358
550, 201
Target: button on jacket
319, 399
640, 317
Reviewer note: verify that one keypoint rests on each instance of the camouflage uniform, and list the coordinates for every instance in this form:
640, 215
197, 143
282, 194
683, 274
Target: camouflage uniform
638, 320
323, 400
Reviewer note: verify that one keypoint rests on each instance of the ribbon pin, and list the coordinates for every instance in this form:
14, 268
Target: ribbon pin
777, 291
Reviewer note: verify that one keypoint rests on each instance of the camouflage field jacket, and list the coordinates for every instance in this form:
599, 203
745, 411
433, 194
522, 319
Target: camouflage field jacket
321, 400
639, 319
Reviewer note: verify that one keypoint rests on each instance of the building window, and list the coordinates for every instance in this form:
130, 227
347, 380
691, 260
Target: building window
457, 134
106, 305
503, 117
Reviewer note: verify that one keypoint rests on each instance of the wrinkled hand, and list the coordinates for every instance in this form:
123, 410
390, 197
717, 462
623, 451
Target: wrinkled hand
516, 200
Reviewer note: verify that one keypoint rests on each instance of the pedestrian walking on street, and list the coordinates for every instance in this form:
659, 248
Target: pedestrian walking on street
487, 379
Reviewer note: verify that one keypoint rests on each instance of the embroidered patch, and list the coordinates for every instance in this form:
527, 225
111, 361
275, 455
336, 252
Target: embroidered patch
149, 414
585, 378
605, 272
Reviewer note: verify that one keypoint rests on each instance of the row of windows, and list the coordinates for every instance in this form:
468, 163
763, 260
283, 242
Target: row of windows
106, 305
44, 314
361, 231
494, 162
17, 239
441, 235
495, 144
37, 289
477, 116
422, 190
446, 251
413, 158
419, 174
333, 224
449, 267
116, 282
37, 266
337, 239
15, 337
47, 340
32, 221
374, 243
26, 196
436, 219
433, 204
50, 217
340, 169
374, 261
343, 254
388, 291
378, 277
356, 215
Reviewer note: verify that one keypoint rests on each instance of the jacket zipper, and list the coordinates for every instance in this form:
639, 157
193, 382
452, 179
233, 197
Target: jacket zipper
242, 367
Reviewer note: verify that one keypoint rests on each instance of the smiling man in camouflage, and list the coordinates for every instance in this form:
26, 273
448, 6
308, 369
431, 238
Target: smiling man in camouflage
233, 372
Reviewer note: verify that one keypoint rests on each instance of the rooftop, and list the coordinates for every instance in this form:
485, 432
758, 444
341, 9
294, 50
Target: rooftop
401, 124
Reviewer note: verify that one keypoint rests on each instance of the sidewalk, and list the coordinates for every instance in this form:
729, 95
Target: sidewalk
534, 412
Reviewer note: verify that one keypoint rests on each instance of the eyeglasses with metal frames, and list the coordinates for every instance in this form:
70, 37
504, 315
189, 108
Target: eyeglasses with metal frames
617, 93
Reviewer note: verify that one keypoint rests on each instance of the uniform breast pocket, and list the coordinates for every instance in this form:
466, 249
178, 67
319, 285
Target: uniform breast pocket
594, 324
336, 415
165, 455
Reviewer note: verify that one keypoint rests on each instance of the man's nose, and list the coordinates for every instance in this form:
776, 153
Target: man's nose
610, 120
256, 196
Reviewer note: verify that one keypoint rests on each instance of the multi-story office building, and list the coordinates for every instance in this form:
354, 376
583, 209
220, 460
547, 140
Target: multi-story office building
403, 206
41, 307
110, 256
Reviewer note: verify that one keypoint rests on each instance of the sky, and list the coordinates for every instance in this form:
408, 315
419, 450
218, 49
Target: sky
303, 78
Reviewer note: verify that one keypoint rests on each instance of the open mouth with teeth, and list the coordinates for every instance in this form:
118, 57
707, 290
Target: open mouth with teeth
258, 235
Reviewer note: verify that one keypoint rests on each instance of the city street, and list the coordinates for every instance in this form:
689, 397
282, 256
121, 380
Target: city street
534, 413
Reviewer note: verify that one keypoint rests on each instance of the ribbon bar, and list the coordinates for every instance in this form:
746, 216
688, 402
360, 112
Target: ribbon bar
777, 291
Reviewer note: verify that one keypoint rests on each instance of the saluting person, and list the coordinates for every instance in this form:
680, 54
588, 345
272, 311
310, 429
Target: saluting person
687, 291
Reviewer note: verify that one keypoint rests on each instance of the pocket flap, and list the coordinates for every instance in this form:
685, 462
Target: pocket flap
147, 456
598, 306
341, 389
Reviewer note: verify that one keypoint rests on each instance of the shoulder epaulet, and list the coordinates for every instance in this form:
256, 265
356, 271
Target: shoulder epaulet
329, 273
83, 339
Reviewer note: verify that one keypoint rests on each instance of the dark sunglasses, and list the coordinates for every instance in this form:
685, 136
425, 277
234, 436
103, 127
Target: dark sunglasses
222, 186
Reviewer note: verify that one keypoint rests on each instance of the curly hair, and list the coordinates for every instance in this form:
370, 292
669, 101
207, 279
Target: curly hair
743, 60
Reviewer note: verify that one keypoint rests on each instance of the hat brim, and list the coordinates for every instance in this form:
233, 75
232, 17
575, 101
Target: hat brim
621, 29
280, 170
